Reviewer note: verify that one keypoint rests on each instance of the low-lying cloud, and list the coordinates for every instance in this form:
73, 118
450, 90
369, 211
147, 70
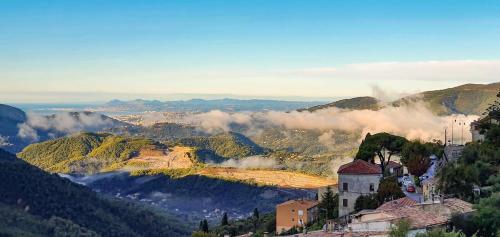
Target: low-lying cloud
251, 162
413, 121
65, 123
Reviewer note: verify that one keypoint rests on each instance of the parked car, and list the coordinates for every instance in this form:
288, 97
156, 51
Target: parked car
423, 177
410, 188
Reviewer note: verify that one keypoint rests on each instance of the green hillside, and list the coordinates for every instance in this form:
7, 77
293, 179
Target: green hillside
222, 146
357, 103
35, 203
466, 99
84, 152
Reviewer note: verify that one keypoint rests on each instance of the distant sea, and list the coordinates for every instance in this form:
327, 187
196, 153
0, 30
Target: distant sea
47, 109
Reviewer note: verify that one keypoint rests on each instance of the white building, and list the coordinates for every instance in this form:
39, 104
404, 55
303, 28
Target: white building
355, 179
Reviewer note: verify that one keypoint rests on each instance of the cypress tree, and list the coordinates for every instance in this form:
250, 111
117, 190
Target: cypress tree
224, 220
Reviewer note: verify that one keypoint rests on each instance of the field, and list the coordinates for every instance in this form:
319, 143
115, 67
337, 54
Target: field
285, 179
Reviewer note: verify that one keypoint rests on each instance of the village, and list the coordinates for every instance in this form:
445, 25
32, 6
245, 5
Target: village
423, 207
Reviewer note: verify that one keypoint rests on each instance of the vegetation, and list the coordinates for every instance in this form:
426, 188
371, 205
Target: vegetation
51, 203
464, 99
364, 202
401, 229
357, 103
84, 152
329, 205
389, 190
381, 145
437, 232
222, 146
265, 223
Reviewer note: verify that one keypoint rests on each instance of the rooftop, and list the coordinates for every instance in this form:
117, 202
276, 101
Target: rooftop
359, 167
393, 164
402, 202
306, 204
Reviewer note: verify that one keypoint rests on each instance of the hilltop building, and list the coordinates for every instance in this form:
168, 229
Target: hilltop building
475, 128
355, 179
295, 213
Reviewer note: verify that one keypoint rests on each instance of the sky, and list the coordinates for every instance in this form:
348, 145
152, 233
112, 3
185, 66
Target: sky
92, 50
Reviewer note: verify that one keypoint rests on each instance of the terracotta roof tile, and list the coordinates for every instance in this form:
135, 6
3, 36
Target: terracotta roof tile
393, 164
306, 204
398, 203
359, 167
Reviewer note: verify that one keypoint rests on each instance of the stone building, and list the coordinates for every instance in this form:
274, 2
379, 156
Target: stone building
355, 179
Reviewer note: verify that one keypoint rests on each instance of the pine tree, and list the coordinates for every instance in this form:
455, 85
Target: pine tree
204, 226
329, 204
256, 213
224, 220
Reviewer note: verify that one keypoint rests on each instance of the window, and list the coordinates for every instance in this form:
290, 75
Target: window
293, 210
301, 213
345, 187
293, 220
344, 202
372, 187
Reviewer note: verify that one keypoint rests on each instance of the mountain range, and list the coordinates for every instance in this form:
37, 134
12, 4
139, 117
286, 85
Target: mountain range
465, 99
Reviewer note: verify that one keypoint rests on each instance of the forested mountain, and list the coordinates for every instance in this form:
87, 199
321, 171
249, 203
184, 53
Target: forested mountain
357, 103
18, 129
35, 203
85, 152
222, 146
464, 99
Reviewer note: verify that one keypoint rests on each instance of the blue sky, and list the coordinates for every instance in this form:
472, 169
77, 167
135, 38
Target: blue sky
71, 51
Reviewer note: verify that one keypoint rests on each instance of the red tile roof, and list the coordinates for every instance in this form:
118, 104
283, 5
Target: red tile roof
359, 167
398, 203
306, 204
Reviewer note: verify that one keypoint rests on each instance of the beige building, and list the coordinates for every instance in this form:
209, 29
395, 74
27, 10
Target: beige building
295, 213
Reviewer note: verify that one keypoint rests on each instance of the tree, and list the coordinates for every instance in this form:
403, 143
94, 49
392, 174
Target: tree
256, 213
401, 229
366, 202
224, 220
418, 163
382, 145
204, 226
389, 190
329, 204
487, 216
458, 179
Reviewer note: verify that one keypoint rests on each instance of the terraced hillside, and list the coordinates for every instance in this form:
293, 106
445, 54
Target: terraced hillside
278, 178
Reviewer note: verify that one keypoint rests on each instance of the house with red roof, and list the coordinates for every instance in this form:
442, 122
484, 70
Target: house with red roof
355, 179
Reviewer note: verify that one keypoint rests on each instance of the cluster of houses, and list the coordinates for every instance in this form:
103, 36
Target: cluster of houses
357, 178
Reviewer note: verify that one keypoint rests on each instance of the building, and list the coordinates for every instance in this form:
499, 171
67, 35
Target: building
394, 168
295, 213
430, 190
475, 128
355, 179
420, 216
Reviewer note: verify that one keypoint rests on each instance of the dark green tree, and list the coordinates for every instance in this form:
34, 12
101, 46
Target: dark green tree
381, 145
389, 190
204, 226
366, 202
256, 213
487, 215
415, 156
224, 220
329, 204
